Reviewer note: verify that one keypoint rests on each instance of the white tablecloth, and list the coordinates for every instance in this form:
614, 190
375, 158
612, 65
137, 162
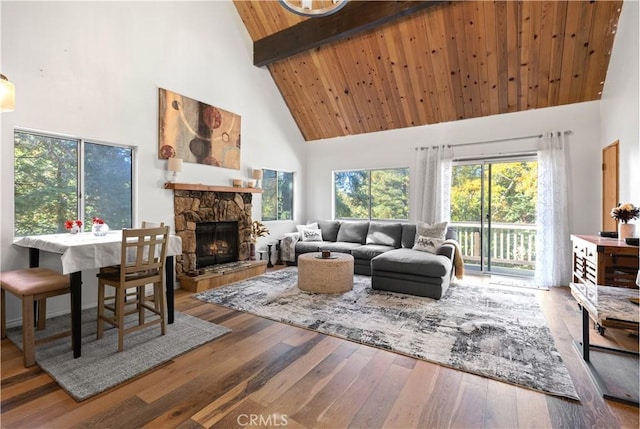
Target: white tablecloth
85, 251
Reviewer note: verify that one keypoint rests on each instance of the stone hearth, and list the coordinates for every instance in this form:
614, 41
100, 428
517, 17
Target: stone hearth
192, 206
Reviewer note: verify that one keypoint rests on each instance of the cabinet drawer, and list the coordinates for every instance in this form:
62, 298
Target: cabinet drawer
585, 252
591, 254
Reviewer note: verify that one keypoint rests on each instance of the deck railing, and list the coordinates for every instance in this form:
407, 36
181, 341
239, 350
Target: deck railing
512, 245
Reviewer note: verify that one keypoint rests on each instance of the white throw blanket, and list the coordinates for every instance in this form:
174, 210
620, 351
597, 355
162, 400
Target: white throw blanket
289, 246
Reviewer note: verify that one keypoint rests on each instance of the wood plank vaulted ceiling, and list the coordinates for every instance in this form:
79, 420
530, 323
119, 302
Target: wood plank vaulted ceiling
445, 62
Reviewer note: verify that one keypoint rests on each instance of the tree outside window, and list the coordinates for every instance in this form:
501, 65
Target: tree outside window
51, 174
277, 195
372, 194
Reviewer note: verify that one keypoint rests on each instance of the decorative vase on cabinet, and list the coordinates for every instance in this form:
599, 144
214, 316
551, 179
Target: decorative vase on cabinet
626, 230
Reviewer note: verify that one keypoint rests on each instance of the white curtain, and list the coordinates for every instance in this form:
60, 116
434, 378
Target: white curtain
432, 187
553, 262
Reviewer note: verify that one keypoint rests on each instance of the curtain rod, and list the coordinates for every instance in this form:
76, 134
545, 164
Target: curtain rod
494, 141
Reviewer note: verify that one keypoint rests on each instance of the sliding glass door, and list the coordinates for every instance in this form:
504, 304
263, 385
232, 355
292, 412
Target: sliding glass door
493, 208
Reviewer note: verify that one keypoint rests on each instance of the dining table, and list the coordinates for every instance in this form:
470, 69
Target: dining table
85, 251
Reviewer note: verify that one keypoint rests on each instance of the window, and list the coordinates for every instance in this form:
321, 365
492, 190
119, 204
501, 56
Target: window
59, 178
493, 208
372, 194
277, 195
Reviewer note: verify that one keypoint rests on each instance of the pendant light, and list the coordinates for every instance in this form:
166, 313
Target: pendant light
7, 95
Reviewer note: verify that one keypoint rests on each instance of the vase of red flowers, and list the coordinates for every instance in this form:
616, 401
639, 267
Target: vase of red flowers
73, 226
99, 228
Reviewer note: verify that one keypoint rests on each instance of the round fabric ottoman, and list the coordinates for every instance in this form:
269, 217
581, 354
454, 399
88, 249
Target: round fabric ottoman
325, 275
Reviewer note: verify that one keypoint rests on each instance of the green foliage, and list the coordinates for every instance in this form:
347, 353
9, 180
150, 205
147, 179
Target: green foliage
277, 195
47, 186
269, 195
46, 170
386, 191
107, 186
514, 192
390, 194
352, 194
285, 195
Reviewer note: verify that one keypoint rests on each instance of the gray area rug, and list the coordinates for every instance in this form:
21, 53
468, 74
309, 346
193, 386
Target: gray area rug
101, 366
492, 331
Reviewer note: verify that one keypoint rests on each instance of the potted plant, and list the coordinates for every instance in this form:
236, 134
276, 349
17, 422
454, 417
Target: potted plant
623, 214
257, 230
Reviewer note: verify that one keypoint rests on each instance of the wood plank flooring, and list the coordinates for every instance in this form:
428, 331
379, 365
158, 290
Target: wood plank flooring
268, 374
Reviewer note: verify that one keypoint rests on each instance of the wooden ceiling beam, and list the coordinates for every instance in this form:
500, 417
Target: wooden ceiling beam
355, 17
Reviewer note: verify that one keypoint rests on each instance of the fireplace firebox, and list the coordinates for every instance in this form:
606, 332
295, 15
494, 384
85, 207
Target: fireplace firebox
216, 243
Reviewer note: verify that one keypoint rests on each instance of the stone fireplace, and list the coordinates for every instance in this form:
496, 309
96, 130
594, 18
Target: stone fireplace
216, 243
193, 207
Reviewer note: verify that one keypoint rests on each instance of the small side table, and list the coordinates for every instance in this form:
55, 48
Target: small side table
269, 264
325, 275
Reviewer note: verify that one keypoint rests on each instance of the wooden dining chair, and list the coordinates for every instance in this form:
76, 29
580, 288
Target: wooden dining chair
32, 285
148, 224
142, 263
133, 293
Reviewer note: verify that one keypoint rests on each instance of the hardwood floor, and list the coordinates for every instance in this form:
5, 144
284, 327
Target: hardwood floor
266, 373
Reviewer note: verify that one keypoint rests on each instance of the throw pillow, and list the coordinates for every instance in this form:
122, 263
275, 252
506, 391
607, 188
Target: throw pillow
427, 244
313, 225
311, 235
437, 230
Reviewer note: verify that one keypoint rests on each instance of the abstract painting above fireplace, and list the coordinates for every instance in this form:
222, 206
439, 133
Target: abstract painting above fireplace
197, 132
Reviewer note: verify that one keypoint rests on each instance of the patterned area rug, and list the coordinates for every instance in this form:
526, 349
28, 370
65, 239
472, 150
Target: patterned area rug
492, 331
101, 366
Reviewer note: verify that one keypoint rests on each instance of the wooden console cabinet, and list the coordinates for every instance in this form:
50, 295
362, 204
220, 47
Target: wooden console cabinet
604, 261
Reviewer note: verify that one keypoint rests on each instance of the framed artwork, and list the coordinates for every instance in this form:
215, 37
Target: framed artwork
197, 132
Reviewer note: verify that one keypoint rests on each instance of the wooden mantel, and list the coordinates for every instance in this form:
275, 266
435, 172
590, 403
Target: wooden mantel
210, 188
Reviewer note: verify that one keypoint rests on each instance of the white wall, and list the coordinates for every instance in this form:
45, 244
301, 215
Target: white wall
93, 69
396, 149
619, 108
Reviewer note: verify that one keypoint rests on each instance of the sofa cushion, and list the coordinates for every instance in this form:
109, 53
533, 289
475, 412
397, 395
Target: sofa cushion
408, 235
387, 234
329, 229
436, 230
311, 234
339, 246
431, 287
369, 251
411, 278
309, 246
353, 232
317, 246
410, 261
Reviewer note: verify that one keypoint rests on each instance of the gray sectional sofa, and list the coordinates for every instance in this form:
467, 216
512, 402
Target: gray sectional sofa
384, 251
